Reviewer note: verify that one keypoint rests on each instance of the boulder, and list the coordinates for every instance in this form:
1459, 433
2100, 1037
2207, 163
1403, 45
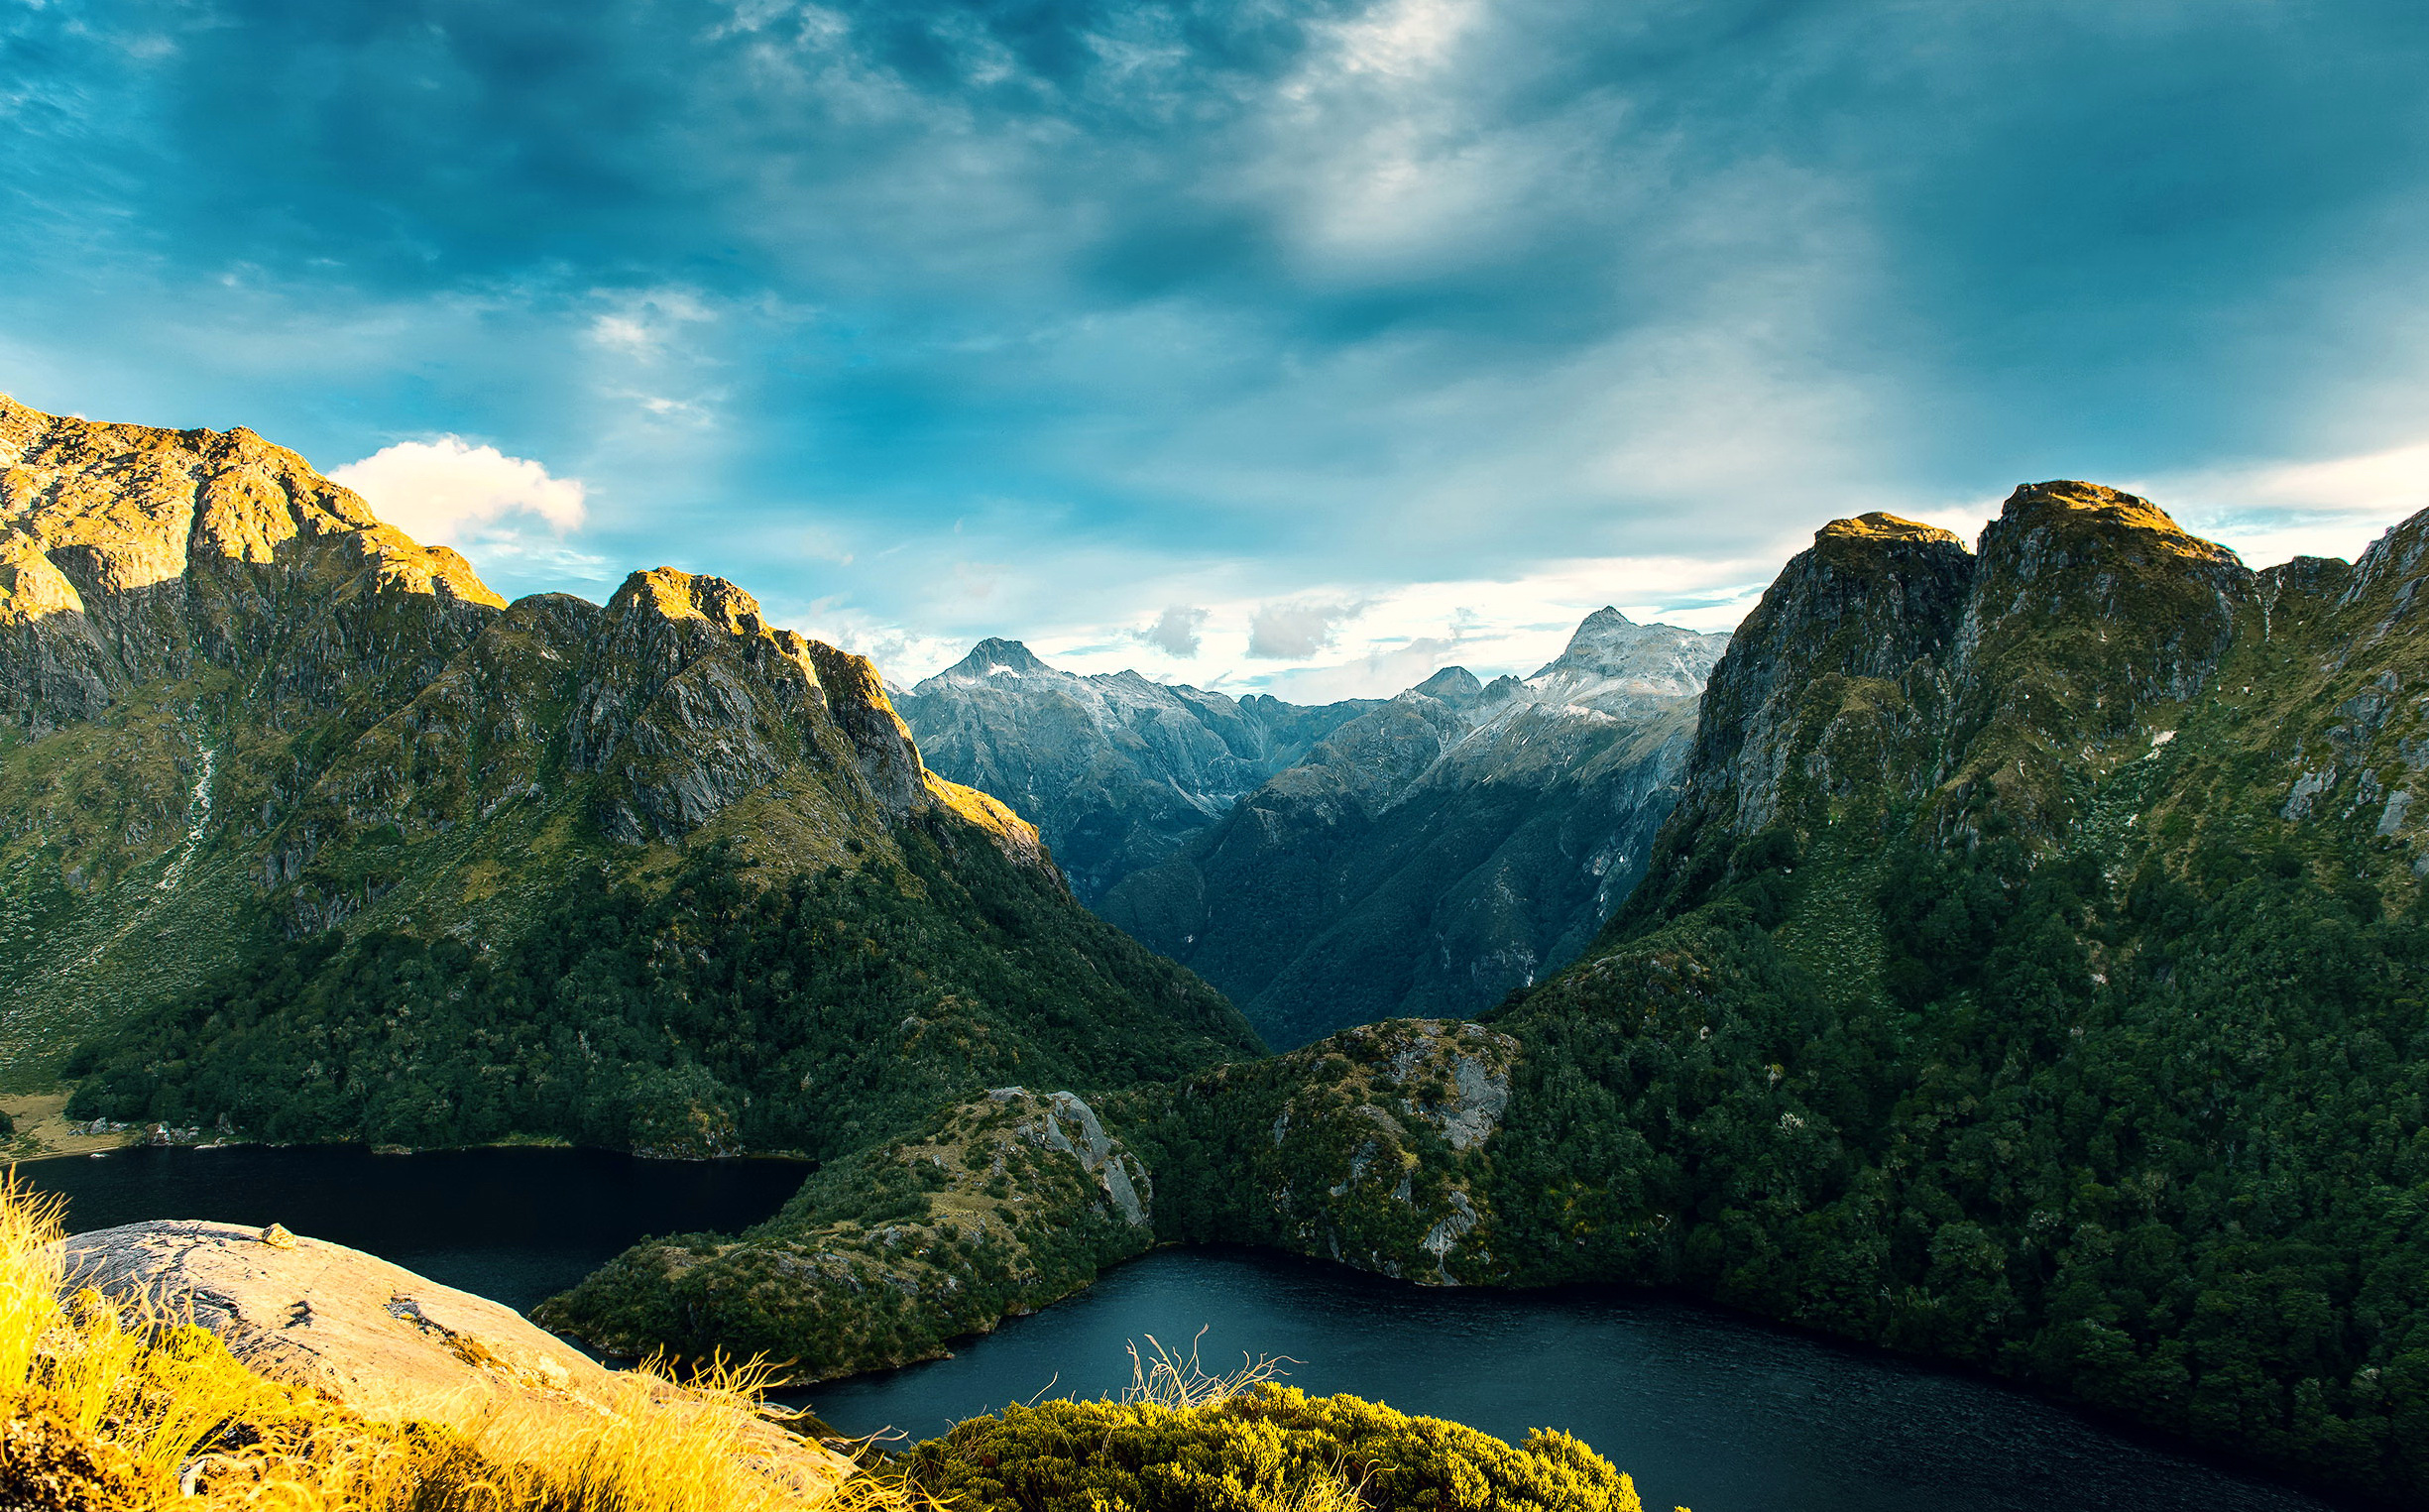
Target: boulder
379, 1338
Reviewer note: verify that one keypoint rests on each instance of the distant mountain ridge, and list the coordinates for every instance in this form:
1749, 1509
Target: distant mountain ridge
1328, 865
1115, 769
1436, 852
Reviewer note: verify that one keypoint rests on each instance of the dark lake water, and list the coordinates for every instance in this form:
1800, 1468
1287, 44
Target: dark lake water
1705, 1408
516, 1225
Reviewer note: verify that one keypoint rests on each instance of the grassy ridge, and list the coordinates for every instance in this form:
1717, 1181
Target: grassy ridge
109, 1409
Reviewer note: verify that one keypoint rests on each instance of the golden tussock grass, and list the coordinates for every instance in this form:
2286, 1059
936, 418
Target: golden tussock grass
106, 1407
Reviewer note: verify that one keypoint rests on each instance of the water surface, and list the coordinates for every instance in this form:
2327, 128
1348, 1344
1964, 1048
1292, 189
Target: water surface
513, 1225
1704, 1407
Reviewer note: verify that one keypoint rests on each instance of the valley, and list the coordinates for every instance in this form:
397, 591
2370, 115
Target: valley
2007, 956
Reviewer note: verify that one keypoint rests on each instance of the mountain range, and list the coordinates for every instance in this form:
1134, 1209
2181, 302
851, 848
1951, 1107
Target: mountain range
2030, 975
1117, 770
2027, 972
1421, 855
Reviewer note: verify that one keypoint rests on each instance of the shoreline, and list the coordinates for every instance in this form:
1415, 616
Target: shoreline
65, 1140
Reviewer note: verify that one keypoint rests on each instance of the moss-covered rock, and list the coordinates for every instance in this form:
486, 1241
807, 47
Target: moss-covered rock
998, 1206
1373, 1148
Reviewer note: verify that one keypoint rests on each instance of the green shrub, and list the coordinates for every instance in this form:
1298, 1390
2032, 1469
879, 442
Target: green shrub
1269, 1449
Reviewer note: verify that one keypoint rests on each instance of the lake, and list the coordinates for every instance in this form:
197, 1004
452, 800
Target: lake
1704, 1407
512, 1224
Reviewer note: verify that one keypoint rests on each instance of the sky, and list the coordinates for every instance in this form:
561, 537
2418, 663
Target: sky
1302, 347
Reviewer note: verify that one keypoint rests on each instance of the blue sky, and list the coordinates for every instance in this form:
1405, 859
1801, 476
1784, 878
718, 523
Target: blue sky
1300, 346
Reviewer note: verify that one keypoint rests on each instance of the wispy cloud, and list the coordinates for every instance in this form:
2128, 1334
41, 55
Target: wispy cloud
2271, 511
1295, 631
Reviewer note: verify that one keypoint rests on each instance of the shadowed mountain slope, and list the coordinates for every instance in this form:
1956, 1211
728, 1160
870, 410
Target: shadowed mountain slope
1117, 770
1438, 852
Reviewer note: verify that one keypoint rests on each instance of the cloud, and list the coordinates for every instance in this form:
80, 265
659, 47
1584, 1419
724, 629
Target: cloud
2271, 511
1425, 305
1379, 673
1295, 631
645, 324
450, 492
1175, 631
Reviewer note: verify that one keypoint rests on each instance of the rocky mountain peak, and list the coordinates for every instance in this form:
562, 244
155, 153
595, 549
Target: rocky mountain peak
1612, 653
1454, 685
1879, 525
2067, 571
994, 657
132, 552
1889, 659
2069, 505
1874, 598
677, 595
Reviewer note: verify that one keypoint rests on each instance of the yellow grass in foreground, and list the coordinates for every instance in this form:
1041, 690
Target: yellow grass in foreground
106, 1408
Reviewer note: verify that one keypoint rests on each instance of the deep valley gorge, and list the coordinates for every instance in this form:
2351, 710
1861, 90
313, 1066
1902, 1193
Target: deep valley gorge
2007, 953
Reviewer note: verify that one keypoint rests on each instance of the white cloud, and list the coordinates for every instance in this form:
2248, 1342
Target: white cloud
1396, 637
449, 491
643, 324
1406, 39
1295, 631
1175, 631
2271, 511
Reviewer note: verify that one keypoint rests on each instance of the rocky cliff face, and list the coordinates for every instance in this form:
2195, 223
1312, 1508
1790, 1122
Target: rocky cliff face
240, 708
134, 555
1434, 853
1890, 671
1828, 671
1117, 771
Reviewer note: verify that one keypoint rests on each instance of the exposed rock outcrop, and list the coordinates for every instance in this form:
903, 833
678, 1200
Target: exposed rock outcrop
374, 1335
384, 1342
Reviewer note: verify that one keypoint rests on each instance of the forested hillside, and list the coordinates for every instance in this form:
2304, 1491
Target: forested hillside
2032, 976
305, 834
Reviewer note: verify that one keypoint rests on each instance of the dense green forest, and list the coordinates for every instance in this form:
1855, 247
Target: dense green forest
703, 1013
992, 1207
2196, 1193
